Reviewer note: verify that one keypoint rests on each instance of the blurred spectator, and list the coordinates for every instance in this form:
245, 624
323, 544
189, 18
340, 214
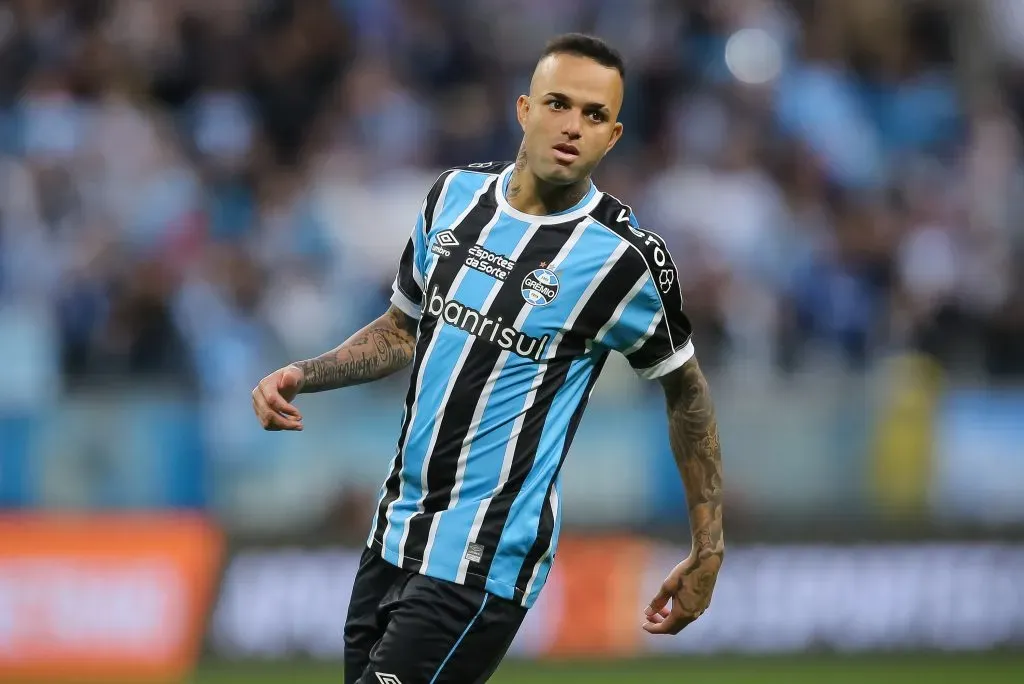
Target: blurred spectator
189, 186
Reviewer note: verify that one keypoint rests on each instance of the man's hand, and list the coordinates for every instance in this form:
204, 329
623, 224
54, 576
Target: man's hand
271, 400
381, 348
689, 588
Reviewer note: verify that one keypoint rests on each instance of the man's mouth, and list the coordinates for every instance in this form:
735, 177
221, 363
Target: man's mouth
566, 153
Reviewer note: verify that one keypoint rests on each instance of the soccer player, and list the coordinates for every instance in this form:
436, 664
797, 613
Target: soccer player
518, 281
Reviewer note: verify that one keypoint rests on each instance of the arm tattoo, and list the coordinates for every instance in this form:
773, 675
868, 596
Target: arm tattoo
693, 433
378, 350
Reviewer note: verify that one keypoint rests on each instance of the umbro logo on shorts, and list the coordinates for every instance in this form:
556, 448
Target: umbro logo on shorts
387, 678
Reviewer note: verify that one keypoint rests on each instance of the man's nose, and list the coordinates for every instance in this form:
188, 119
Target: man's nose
572, 127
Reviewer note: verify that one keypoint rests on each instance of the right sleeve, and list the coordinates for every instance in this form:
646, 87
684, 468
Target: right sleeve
407, 290
652, 331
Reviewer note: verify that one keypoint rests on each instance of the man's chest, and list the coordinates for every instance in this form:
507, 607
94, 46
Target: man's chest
522, 287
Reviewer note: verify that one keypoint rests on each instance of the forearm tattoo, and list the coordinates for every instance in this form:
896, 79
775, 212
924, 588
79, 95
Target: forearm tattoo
378, 350
693, 433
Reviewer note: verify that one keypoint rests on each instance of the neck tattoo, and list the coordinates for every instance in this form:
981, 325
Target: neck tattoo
553, 203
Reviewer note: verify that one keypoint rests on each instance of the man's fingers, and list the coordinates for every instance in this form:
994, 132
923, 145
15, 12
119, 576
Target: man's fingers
673, 624
275, 421
656, 615
657, 618
260, 408
659, 602
270, 419
277, 403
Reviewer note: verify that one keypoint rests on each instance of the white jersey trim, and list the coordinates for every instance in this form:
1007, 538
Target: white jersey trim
678, 358
573, 215
403, 303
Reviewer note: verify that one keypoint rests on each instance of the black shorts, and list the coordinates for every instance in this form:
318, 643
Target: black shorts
406, 628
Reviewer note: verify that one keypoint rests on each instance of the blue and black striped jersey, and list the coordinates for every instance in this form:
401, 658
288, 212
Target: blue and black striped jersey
517, 315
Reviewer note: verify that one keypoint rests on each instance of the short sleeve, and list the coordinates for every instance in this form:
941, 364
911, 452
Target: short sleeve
652, 330
407, 290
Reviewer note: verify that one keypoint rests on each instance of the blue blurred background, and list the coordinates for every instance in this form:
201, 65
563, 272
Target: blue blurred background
195, 193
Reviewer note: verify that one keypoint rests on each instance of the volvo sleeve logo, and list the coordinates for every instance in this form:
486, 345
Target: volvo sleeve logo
540, 287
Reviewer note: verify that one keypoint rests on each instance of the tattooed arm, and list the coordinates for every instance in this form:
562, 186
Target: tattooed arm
378, 350
693, 433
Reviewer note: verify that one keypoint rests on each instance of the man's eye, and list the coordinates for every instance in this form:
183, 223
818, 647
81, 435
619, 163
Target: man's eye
555, 104
597, 117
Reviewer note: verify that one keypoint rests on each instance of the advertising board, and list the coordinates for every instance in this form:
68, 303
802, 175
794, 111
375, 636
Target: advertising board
281, 604
104, 598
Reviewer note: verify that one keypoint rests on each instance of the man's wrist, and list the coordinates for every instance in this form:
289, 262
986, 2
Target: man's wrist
301, 367
708, 543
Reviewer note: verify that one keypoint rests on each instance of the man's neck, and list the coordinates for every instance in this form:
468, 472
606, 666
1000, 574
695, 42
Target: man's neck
530, 195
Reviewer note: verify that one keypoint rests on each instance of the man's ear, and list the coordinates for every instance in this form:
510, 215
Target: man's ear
616, 134
522, 110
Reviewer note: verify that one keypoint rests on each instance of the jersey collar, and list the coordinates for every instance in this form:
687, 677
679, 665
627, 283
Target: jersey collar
578, 211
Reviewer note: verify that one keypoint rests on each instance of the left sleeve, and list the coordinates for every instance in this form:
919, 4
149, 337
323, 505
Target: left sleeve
407, 290
653, 332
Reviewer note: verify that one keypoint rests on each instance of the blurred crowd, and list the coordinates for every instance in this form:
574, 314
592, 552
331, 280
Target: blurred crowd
196, 191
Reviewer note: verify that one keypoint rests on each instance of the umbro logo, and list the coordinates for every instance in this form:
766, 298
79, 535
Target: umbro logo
442, 242
387, 678
446, 238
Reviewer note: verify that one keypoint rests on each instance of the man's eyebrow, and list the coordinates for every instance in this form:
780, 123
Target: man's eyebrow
589, 105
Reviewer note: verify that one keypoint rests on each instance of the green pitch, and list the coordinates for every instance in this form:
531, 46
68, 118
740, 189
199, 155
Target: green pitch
940, 669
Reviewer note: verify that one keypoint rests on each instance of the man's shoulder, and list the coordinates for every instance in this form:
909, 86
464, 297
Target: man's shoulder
459, 183
488, 167
618, 217
475, 172
469, 175
613, 213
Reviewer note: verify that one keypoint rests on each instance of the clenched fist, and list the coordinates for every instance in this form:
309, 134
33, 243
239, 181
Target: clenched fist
271, 400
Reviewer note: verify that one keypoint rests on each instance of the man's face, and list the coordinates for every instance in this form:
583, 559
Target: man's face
569, 117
